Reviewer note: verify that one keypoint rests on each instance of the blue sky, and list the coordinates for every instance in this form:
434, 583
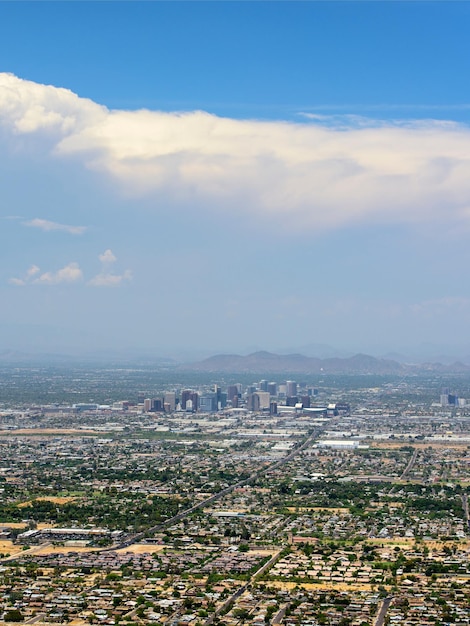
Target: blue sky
201, 177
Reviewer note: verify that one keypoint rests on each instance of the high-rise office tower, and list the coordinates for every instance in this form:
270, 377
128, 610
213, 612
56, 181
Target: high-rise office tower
291, 388
170, 399
157, 404
272, 388
185, 396
232, 392
258, 401
208, 403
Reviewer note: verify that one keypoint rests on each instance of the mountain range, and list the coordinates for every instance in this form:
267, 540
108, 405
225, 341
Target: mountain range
268, 362
260, 361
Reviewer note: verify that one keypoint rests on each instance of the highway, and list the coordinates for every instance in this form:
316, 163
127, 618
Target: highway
241, 483
231, 600
410, 465
383, 611
465, 509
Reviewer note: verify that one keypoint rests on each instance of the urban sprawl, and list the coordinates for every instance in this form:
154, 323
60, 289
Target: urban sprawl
127, 498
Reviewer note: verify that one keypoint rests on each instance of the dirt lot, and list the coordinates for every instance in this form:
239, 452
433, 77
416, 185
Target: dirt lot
8, 547
420, 445
48, 549
48, 431
306, 509
286, 586
54, 499
139, 548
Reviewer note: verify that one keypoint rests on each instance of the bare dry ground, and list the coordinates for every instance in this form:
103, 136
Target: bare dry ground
9, 547
49, 431
54, 499
409, 542
262, 552
306, 509
287, 586
394, 444
392, 541
140, 548
40, 622
50, 549
14, 550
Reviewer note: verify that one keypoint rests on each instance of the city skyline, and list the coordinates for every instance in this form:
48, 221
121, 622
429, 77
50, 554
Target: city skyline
208, 177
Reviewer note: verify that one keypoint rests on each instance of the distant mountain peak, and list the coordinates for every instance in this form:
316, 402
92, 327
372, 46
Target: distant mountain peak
264, 362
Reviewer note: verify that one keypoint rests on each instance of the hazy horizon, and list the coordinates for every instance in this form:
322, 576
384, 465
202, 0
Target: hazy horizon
179, 354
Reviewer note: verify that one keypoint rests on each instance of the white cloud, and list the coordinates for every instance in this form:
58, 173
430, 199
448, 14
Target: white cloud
71, 273
27, 107
33, 270
106, 278
306, 175
30, 273
107, 257
19, 282
441, 306
48, 226
110, 280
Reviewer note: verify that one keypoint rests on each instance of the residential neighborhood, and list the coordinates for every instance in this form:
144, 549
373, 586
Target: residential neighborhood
357, 516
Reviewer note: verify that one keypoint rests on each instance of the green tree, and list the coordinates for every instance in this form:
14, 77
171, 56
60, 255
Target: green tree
13, 615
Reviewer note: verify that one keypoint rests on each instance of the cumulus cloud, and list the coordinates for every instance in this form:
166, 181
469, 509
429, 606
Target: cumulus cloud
30, 273
19, 282
27, 107
33, 270
69, 274
109, 279
106, 278
107, 257
315, 174
48, 226
72, 273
